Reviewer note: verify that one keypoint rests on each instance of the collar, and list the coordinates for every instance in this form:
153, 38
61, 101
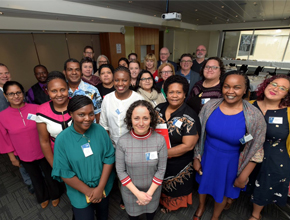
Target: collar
80, 86
175, 113
41, 84
77, 136
137, 136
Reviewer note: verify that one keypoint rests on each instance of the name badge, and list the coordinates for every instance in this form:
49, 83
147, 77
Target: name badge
151, 155
118, 111
246, 138
276, 120
203, 101
87, 150
156, 78
31, 117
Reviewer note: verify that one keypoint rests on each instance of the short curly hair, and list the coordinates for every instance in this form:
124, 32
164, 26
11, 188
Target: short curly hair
176, 79
261, 88
144, 103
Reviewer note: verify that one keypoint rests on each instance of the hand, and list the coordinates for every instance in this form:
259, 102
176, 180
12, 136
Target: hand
15, 162
143, 198
241, 182
96, 195
197, 166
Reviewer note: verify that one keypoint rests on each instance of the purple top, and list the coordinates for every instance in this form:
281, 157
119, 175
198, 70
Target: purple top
30, 95
95, 80
18, 133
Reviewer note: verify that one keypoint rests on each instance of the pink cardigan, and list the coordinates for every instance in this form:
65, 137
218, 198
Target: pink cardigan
19, 134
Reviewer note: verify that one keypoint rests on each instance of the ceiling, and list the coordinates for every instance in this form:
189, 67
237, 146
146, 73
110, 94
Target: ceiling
196, 15
206, 12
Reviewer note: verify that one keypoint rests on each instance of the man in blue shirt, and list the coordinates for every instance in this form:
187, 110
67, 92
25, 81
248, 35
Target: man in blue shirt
73, 74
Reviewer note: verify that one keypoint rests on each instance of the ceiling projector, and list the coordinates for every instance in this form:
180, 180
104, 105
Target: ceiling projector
171, 16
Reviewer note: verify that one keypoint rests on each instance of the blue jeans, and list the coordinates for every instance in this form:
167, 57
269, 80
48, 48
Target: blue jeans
102, 211
24, 174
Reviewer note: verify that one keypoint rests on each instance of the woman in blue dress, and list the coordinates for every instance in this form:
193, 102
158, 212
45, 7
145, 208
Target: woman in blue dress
230, 145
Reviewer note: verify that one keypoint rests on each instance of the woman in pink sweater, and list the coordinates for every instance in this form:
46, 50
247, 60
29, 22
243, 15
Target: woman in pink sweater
19, 136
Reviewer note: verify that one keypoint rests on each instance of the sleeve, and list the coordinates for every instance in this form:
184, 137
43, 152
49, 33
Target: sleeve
109, 157
196, 150
30, 96
6, 144
103, 118
97, 101
61, 165
121, 166
162, 162
38, 118
191, 123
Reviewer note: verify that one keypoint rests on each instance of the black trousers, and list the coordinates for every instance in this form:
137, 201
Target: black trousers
40, 173
149, 216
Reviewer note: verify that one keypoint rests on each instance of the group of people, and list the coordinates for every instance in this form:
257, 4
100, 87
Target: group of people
90, 122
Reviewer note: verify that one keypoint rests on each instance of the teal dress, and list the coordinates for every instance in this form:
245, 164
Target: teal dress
69, 160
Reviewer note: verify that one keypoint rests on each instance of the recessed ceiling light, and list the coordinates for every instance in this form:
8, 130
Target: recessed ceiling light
197, 19
237, 16
223, 6
154, 15
1, 13
195, 9
255, 3
285, 18
244, 21
92, 20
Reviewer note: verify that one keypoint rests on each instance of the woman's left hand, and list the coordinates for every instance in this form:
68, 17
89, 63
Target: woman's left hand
96, 195
241, 182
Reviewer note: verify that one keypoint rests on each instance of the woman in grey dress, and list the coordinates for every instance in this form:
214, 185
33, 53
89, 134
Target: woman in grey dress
141, 156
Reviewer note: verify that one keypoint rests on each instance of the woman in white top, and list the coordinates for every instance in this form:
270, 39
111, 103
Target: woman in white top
115, 104
146, 86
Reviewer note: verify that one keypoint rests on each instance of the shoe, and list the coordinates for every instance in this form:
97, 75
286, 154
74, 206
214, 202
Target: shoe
44, 204
196, 217
30, 189
55, 202
253, 217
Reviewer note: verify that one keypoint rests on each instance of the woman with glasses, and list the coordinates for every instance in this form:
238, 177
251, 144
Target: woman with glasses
270, 180
19, 132
185, 70
209, 87
165, 70
102, 59
146, 87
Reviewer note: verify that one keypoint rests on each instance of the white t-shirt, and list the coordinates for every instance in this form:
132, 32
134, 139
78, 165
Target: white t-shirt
114, 112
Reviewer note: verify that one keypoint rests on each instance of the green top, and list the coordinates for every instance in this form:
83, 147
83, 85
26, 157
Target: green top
69, 160
162, 90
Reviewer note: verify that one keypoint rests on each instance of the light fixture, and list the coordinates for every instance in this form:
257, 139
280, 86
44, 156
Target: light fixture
197, 19
237, 16
92, 20
1, 13
154, 15
195, 9
223, 6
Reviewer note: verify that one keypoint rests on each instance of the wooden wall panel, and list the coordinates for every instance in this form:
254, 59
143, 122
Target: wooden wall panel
96, 44
146, 36
76, 44
105, 45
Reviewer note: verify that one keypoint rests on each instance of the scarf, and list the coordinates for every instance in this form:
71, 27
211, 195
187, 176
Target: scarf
154, 97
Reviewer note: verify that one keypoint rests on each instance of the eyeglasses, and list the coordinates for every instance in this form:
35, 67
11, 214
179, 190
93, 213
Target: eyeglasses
211, 67
12, 94
89, 53
103, 62
163, 54
186, 61
281, 88
203, 50
166, 72
146, 79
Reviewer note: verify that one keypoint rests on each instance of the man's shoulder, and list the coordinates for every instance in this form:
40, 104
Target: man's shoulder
88, 87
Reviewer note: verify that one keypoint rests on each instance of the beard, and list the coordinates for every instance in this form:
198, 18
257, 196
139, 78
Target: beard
200, 56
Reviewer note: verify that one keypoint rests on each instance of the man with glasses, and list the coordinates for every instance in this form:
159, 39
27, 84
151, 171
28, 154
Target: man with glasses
185, 70
200, 58
37, 94
164, 54
89, 52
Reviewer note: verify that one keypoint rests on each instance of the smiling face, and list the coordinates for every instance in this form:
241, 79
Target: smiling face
272, 91
106, 76
83, 118
234, 88
4, 76
73, 72
146, 82
200, 51
15, 96
40, 74
185, 63
149, 64
87, 69
122, 82
166, 72
134, 70
211, 73
141, 120
57, 90
175, 95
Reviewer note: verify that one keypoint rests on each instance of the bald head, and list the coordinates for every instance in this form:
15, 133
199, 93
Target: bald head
164, 54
